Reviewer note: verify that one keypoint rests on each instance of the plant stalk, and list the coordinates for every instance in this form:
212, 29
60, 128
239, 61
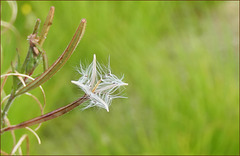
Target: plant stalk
51, 115
6, 108
59, 62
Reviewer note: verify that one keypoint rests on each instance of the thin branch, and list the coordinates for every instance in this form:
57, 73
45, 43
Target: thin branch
5, 98
7, 106
51, 115
27, 145
12, 132
18, 144
4, 81
46, 26
35, 30
39, 141
43, 35
20, 149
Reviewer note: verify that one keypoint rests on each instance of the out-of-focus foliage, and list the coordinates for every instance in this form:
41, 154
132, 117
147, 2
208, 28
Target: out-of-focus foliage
180, 60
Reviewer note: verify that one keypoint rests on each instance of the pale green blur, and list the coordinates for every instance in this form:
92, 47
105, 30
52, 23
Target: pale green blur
180, 60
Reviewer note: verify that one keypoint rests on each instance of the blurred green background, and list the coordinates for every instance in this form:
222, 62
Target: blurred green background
180, 60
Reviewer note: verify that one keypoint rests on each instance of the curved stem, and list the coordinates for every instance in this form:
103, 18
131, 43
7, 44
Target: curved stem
6, 107
51, 115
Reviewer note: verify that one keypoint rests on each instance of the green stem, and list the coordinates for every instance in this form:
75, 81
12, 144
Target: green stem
7, 106
45, 61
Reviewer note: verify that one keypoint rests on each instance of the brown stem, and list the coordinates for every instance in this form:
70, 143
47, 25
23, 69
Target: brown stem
46, 26
51, 115
27, 145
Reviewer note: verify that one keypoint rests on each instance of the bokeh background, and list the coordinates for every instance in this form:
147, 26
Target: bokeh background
179, 58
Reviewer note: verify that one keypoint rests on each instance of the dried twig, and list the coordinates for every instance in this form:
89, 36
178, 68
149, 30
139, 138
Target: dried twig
18, 145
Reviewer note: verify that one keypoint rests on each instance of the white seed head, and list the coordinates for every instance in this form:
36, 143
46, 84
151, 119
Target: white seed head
99, 84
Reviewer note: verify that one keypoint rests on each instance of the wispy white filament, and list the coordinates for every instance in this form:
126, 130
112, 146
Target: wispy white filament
99, 85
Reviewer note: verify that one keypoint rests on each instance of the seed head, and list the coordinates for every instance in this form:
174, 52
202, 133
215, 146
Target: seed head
99, 84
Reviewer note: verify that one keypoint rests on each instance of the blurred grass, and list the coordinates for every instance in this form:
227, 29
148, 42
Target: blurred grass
179, 58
